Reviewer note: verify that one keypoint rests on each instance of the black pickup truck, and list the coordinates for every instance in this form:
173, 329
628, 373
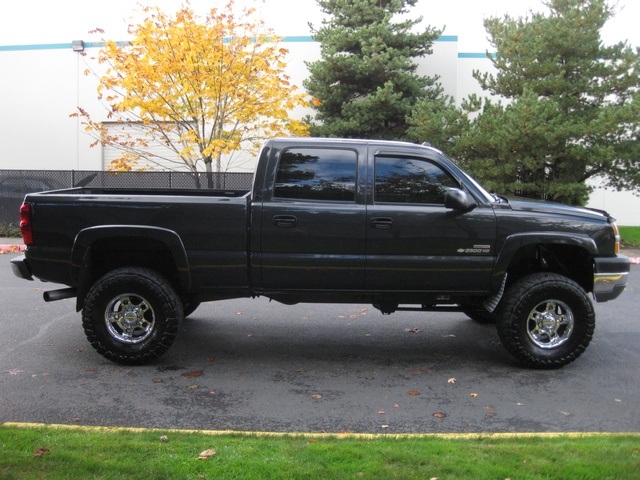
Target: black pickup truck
393, 224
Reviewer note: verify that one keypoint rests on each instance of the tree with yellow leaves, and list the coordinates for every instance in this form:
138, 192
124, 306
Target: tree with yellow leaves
200, 87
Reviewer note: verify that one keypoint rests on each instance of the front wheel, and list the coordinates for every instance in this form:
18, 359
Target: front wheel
132, 315
546, 320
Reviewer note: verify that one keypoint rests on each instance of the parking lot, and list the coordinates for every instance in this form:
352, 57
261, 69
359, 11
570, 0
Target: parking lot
260, 366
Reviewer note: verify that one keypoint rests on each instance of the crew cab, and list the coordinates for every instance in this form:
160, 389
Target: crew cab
394, 224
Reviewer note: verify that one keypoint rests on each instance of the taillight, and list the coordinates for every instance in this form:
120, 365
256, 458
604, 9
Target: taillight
616, 232
25, 224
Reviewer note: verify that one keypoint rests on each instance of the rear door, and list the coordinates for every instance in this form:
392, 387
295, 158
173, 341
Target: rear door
313, 221
414, 243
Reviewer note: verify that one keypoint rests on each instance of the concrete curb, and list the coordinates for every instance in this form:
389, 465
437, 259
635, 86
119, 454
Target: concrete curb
11, 248
364, 436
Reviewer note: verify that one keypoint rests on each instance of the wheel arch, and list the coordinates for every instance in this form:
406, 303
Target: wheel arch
97, 250
567, 254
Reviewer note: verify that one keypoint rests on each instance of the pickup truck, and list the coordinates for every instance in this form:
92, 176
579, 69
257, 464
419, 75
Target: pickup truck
394, 224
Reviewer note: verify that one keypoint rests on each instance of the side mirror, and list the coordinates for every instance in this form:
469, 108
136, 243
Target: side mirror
457, 199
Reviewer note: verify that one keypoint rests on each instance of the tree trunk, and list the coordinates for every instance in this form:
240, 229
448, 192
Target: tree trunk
219, 171
209, 173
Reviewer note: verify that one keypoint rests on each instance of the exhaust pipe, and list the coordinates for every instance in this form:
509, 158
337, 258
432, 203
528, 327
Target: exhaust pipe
53, 295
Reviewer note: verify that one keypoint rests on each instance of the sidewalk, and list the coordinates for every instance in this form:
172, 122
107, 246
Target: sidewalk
15, 245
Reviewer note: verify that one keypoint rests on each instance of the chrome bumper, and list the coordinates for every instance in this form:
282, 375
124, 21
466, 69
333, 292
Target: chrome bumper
610, 277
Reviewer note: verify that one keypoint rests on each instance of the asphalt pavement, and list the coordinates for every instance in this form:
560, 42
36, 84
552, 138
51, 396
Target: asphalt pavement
255, 365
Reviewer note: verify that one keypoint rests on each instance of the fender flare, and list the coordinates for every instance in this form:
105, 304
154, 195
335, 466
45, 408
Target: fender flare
515, 242
82, 244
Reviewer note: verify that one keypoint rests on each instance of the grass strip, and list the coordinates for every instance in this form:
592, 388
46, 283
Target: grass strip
46, 452
630, 236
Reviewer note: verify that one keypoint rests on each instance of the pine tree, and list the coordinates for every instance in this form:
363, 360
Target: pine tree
366, 84
572, 109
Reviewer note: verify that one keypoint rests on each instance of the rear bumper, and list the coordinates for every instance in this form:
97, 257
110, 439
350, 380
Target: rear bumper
610, 277
20, 267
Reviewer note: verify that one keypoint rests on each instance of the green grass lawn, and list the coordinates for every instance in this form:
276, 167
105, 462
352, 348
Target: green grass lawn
41, 452
630, 236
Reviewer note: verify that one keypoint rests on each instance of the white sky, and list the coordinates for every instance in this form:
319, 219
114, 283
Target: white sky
27, 22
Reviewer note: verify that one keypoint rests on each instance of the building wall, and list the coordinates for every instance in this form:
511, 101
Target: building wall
41, 85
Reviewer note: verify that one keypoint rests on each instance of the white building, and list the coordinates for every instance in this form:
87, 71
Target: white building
43, 84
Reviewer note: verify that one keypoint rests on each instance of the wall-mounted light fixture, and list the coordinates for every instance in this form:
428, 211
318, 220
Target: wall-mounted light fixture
77, 45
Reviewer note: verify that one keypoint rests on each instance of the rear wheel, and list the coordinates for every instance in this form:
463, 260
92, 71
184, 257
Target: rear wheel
546, 320
132, 315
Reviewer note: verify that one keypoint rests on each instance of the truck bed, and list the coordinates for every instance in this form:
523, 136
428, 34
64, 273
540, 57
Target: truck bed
209, 226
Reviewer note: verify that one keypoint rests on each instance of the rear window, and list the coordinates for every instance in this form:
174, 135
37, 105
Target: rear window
317, 174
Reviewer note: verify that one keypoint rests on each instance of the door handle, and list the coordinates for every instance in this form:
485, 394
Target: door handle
284, 221
383, 223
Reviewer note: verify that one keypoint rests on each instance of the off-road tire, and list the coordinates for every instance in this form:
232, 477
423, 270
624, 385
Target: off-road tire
545, 320
132, 315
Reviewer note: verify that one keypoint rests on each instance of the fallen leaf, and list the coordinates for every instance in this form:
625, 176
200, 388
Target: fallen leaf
40, 451
490, 415
567, 414
395, 405
413, 393
206, 454
412, 330
473, 395
440, 415
452, 380
157, 380
192, 386
14, 372
316, 396
212, 392
381, 412
239, 313
195, 373
164, 438
519, 404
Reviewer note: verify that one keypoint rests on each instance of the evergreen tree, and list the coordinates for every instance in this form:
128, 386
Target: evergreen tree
366, 84
567, 109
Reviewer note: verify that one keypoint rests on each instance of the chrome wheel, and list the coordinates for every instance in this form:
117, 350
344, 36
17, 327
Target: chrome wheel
129, 318
550, 324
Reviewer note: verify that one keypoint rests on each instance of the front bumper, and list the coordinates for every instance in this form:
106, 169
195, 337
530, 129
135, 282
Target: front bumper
20, 267
610, 277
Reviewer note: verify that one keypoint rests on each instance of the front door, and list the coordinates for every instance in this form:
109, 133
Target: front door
414, 243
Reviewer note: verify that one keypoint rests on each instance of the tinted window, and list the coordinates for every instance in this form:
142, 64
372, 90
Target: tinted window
316, 174
410, 180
